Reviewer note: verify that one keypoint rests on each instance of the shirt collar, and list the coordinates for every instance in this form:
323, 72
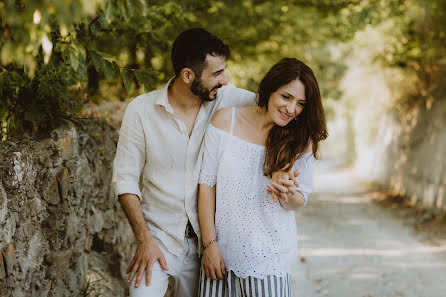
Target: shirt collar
162, 98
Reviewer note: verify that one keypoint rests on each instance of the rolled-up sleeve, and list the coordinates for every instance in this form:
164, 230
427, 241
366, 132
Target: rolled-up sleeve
305, 166
130, 153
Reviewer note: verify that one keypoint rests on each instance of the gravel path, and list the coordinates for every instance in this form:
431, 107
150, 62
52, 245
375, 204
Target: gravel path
350, 247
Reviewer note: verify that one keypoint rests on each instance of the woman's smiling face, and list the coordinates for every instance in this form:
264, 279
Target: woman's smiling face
287, 102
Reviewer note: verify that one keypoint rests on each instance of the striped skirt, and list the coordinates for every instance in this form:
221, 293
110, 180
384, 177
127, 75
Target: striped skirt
233, 286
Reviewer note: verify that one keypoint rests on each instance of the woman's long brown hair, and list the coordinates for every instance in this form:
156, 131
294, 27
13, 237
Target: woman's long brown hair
287, 144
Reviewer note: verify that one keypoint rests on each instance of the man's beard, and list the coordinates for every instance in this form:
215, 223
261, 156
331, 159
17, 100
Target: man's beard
199, 90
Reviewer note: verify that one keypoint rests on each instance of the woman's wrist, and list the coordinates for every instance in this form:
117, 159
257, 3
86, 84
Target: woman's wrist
207, 244
295, 200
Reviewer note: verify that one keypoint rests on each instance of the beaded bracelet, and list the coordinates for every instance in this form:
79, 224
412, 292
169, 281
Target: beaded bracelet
208, 244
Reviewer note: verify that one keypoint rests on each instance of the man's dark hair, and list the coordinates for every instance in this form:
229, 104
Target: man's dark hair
192, 46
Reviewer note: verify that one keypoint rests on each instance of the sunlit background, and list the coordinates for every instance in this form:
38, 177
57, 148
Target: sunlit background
380, 66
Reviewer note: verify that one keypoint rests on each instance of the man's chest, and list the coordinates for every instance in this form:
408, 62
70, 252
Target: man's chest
170, 145
189, 123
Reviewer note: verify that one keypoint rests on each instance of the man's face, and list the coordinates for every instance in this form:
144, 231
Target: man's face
212, 78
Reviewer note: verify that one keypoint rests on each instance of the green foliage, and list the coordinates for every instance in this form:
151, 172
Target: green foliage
262, 32
40, 102
421, 34
417, 46
51, 51
55, 54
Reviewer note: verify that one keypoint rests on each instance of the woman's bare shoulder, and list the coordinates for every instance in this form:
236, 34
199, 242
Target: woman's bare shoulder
222, 119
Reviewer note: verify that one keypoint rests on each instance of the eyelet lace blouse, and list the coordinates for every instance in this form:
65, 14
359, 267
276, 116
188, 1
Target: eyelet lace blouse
256, 236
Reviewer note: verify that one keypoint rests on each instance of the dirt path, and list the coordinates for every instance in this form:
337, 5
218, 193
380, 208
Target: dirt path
353, 248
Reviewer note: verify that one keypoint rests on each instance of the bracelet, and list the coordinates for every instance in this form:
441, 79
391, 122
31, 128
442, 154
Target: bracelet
208, 244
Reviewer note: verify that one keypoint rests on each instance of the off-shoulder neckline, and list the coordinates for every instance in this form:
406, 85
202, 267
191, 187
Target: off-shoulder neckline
247, 142
238, 138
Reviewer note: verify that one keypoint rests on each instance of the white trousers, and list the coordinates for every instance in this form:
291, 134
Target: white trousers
184, 271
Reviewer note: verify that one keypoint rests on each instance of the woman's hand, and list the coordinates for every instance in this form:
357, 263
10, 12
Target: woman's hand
284, 191
283, 183
213, 263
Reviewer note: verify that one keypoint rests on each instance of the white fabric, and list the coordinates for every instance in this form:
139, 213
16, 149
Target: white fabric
257, 237
154, 141
234, 286
183, 269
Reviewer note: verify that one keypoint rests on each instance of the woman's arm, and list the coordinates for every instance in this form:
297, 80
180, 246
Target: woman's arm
206, 212
212, 261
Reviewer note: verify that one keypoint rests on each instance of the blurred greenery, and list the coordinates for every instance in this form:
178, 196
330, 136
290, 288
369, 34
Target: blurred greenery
57, 55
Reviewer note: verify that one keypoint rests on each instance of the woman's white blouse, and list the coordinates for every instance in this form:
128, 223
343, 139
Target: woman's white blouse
256, 236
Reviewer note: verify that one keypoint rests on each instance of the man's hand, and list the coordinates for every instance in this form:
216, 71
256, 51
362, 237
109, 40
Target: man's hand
282, 183
145, 256
147, 251
213, 263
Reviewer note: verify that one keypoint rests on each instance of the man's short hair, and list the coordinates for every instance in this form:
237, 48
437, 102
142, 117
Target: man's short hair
192, 46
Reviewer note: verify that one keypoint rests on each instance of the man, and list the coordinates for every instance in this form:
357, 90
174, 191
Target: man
161, 136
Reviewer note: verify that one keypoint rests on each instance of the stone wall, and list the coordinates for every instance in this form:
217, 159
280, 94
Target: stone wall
409, 154
63, 232
398, 120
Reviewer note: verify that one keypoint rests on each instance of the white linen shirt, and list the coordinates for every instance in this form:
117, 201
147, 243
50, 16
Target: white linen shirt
155, 141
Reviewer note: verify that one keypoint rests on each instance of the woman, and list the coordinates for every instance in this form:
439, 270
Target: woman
249, 239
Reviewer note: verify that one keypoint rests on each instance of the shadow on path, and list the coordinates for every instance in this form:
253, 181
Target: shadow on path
350, 247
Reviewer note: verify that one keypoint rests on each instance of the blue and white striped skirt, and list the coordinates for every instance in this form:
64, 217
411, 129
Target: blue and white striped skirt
233, 286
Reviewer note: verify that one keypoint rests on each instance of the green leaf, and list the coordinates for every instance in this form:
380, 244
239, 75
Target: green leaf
111, 9
64, 50
108, 69
130, 8
140, 75
82, 69
105, 55
145, 78
74, 60
124, 11
96, 60
79, 49
95, 27
103, 22
128, 81
9, 3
